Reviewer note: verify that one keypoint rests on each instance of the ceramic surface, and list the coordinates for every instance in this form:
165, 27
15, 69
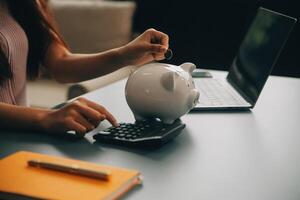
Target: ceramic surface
162, 91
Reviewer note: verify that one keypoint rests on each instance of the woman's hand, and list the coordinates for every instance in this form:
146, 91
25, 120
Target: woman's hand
80, 116
150, 46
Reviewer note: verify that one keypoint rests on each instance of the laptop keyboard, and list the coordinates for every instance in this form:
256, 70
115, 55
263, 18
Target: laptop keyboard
215, 92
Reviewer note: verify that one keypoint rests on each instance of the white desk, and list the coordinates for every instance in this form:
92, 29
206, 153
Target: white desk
239, 155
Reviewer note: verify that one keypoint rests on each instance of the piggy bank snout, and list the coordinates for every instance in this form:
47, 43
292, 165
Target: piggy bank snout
196, 94
193, 98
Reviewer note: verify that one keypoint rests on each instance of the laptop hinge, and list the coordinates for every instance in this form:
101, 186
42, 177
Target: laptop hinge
247, 98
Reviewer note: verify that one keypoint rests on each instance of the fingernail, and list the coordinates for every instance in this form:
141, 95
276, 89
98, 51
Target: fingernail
163, 48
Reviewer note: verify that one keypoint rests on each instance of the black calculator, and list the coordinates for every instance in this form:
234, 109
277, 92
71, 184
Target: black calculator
149, 133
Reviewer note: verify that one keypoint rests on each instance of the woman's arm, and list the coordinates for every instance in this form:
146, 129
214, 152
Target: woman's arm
20, 118
66, 67
80, 115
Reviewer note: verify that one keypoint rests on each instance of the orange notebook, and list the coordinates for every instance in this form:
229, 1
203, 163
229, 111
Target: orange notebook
17, 179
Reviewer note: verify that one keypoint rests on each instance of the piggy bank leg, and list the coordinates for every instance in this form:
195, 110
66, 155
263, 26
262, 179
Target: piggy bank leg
168, 121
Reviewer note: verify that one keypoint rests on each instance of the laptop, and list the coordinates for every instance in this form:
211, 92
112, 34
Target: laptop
251, 66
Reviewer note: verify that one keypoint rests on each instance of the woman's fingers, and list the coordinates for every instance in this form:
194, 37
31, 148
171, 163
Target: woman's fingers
159, 57
158, 51
107, 114
158, 37
156, 48
77, 127
149, 46
159, 44
89, 113
103, 111
94, 111
84, 122
163, 38
80, 116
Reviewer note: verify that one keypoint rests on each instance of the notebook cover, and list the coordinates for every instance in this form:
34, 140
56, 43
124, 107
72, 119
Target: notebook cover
16, 177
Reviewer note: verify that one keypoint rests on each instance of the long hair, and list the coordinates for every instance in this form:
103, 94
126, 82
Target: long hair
37, 21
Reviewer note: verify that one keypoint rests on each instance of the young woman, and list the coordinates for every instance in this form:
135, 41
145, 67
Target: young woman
28, 39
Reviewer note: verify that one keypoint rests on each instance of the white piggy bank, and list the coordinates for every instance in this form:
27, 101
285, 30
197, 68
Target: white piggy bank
162, 91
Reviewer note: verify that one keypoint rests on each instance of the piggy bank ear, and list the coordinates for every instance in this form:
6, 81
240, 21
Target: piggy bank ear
189, 67
168, 80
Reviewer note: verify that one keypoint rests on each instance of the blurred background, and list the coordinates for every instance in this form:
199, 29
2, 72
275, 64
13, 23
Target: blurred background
208, 33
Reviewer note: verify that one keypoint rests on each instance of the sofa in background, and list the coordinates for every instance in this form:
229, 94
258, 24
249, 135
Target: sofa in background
90, 26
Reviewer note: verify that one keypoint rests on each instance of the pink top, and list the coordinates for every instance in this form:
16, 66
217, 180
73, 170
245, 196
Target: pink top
14, 44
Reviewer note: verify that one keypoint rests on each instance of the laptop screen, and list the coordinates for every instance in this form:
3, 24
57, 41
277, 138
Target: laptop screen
258, 52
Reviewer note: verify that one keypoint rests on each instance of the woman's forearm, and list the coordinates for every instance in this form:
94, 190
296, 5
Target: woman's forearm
66, 67
70, 68
80, 115
20, 118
